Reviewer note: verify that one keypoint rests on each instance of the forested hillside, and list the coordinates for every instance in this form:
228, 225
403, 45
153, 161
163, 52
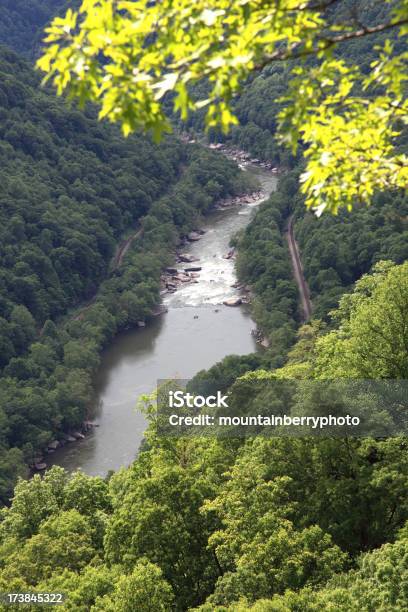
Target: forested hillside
337, 251
22, 22
70, 187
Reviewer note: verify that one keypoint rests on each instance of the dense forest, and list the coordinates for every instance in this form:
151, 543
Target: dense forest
214, 525
69, 189
22, 22
336, 251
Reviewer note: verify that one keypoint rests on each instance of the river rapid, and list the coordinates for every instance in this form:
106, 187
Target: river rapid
195, 333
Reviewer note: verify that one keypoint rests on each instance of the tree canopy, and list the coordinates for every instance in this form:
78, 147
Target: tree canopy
128, 56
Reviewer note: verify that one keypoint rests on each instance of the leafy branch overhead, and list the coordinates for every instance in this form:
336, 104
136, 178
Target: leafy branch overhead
127, 55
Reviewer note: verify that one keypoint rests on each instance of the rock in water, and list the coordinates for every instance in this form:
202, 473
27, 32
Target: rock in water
234, 301
193, 236
186, 258
230, 254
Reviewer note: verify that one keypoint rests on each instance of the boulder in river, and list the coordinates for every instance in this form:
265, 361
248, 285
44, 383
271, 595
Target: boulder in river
53, 445
40, 466
171, 270
87, 425
234, 301
193, 269
157, 312
187, 258
182, 278
193, 236
141, 324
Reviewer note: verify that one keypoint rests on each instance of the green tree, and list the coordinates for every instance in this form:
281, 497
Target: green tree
24, 330
83, 588
34, 501
168, 528
372, 338
80, 355
379, 583
86, 494
144, 590
64, 541
258, 548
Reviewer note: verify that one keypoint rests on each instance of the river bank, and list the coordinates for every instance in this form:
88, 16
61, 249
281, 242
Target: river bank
241, 157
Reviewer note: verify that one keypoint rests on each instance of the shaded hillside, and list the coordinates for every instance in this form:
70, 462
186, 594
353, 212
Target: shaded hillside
70, 186
21, 22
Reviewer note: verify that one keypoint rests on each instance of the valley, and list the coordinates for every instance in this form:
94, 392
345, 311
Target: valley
195, 331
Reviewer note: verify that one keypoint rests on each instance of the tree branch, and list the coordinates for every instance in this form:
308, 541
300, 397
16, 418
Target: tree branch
295, 51
318, 6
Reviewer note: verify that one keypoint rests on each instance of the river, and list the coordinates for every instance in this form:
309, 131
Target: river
195, 333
